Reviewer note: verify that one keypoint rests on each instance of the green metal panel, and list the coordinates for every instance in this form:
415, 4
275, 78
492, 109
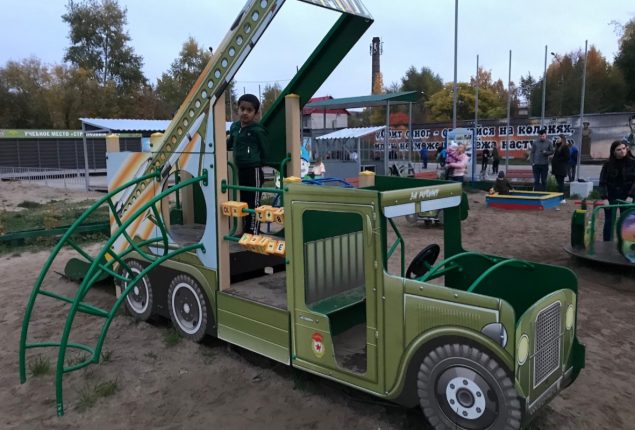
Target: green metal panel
254, 326
413, 309
433, 335
423, 314
320, 224
568, 347
308, 323
346, 31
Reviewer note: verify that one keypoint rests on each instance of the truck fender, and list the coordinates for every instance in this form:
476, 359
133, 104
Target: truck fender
404, 391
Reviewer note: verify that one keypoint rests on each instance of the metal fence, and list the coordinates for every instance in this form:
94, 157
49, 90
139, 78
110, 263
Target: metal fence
58, 178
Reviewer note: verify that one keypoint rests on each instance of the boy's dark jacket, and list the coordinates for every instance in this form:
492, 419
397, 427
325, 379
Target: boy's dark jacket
248, 144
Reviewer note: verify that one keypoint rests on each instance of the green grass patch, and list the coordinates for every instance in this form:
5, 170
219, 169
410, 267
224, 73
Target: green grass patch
27, 204
171, 337
106, 356
40, 366
49, 215
76, 359
89, 394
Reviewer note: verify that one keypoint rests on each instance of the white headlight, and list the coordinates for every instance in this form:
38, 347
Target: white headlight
522, 351
570, 317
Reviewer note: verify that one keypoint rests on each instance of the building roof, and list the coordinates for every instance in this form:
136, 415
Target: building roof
365, 101
310, 110
350, 133
128, 125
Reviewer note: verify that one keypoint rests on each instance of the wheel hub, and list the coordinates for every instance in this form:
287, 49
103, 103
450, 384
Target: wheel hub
138, 297
187, 308
465, 398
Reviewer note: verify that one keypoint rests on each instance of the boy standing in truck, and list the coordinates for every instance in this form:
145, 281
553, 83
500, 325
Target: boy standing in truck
249, 140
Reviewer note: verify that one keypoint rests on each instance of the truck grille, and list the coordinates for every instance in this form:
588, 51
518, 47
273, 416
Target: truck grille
547, 354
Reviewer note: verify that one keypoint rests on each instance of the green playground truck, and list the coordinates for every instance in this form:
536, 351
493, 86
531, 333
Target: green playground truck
478, 341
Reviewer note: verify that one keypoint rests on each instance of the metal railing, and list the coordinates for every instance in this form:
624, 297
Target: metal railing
59, 178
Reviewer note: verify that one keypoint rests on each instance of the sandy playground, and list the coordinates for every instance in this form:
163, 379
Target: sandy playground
213, 385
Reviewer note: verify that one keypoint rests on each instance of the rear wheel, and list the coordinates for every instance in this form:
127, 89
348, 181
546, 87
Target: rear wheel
460, 386
188, 308
139, 300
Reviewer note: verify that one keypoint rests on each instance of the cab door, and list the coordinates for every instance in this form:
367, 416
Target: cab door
333, 296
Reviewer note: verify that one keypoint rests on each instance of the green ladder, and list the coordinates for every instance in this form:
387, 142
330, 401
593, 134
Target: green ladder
100, 267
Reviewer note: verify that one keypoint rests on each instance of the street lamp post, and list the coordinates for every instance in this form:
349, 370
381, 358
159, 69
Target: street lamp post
560, 83
454, 88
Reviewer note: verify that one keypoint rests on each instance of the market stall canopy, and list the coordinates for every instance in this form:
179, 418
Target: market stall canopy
129, 125
367, 101
351, 133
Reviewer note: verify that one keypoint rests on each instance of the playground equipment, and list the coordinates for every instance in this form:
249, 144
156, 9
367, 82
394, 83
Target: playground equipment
524, 200
478, 341
620, 250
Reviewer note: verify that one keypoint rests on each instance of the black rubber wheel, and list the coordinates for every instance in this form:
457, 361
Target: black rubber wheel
460, 386
423, 261
188, 307
140, 300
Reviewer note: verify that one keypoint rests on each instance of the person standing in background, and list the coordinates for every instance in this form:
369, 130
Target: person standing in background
573, 160
586, 139
424, 155
459, 165
560, 162
630, 138
617, 181
484, 161
539, 158
496, 158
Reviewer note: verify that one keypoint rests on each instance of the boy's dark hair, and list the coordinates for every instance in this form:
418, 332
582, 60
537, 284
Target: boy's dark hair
250, 98
501, 174
542, 131
632, 117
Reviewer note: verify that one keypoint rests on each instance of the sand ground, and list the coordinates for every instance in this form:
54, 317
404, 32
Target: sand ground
213, 385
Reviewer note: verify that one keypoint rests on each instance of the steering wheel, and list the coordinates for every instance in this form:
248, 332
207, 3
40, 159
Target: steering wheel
423, 261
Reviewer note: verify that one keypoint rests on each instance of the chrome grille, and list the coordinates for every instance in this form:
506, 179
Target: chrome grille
547, 354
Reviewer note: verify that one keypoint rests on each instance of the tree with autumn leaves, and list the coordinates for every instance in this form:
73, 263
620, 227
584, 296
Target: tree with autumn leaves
102, 77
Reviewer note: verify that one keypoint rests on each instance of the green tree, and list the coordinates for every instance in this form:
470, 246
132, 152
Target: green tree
269, 95
71, 95
489, 88
625, 61
23, 89
427, 83
605, 87
440, 104
173, 86
100, 43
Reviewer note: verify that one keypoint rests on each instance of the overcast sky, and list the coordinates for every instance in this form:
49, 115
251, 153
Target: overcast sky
414, 32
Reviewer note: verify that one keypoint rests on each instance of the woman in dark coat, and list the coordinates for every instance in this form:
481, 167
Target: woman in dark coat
617, 181
560, 161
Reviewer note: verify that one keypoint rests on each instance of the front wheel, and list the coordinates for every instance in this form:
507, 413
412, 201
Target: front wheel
188, 307
460, 386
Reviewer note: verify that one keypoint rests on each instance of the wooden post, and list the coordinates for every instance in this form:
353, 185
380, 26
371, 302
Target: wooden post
112, 143
155, 142
293, 132
366, 179
220, 172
